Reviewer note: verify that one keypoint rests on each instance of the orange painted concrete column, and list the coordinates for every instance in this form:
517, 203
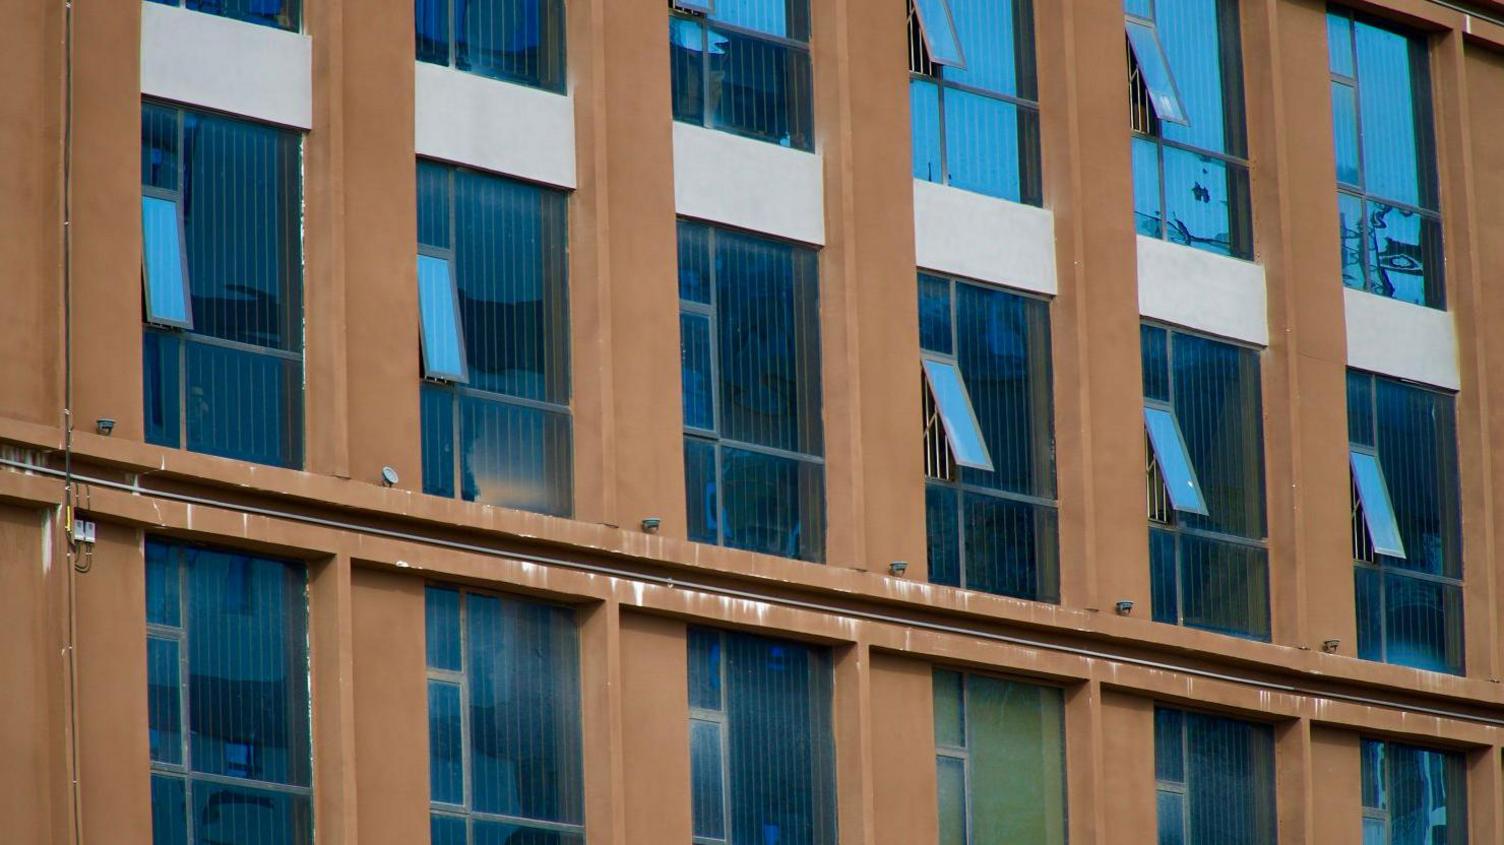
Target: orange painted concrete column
654, 730
905, 808
1337, 767
1128, 808
332, 669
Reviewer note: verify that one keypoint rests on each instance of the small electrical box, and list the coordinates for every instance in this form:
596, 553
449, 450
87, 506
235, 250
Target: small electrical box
83, 531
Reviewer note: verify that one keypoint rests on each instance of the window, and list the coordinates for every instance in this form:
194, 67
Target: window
1413, 796
1387, 195
282, 14
744, 68
518, 41
227, 697
1407, 524
1214, 779
992, 526
973, 96
222, 272
1204, 467
762, 759
504, 747
749, 328
1000, 761
1185, 82
494, 310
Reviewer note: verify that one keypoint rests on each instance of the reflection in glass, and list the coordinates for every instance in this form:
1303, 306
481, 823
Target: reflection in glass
750, 75
1215, 779
519, 41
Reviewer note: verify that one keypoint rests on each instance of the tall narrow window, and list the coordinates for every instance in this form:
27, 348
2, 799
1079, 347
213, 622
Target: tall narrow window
518, 41
221, 226
1387, 196
227, 697
992, 527
753, 440
1407, 524
281, 14
1204, 468
762, 757
974, 96
1214, 779
1185, 83
744, 68
494, 311
1413, 796
505, 761
999, 760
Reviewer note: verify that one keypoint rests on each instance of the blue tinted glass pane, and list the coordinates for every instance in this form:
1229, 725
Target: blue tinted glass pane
924, 118
1351, 218
510, 257
1148, 210
706, 779
704, 509
437, 411
769, 338
447, 830
694, 357
998, 37
159, 146
779, 742
438, 308
160, 367
242, 216
499, 833
282, 14
163, 584
1423, 623
1224, 586
1174, 461
1169, 745
759, 88
434, 204
786, 18
523, 669
446, 754
250, 816
704, 669
1339, 42
515, 456
773, 504
1417, 443
951, 780
943, 530
245, 405
1378, 510
1345, 132
991, 146
1388, 87
686, 45
1205, 202
442, 628
1427, 796
1368, 598
1372, 756
1154, 347
1170, 810
1011, 547
431, 26
934, 314
1375, 832
247, 669
169, 811
694, 262
1141, 8
960, 421
1164, 577
1229, 780
939, 31
950, 713
162, 254
164, 700
517, 40
1360, 425
1200, 40
1404, 255
1155, 69
1217, 395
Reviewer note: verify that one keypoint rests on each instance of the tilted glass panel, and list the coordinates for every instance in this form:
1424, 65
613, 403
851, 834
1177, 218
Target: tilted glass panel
1378, 510
164, 267
1016, 751
939, 30
281, 14
702, 6
960, 420
518, 41
439, 312
1174, 461
1156, 72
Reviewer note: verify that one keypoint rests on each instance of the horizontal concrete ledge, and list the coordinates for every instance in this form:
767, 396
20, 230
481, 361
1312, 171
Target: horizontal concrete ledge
753, 185
1199, 290
962, 233
495, 126
240, 68
1398, 339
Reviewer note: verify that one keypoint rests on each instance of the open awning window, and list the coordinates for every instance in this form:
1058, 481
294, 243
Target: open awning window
959, 419
703, 7
439, 309
1154, 66
941, 38
164, 263
1378, 508
1174, 461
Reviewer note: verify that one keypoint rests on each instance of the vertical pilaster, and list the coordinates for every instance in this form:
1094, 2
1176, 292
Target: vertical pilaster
1127, 802
1336, 769
904, 804
602, 729
332, 667
854, 741
654, 730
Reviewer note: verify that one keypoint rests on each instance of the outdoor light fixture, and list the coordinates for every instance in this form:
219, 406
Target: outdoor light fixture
389, 477
898, 567
1330, 646
651, 524
1123, 607
104, 425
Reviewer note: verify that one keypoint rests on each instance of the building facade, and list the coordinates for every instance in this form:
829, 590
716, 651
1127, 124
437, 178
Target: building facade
759, 422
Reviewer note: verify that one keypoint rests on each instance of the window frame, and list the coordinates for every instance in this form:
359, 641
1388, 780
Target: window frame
939, 9
957, 414
1376, 502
